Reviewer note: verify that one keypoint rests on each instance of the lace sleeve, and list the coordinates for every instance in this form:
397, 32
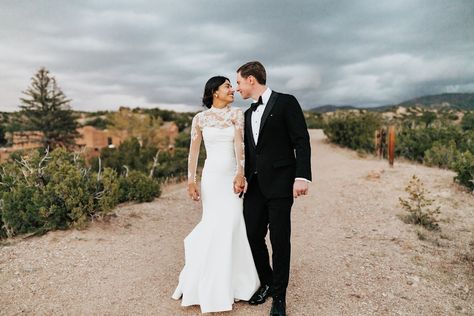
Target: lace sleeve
239, 141
196, 138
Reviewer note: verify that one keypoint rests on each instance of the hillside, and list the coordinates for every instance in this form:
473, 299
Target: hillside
461, 101
457, 101
331, 108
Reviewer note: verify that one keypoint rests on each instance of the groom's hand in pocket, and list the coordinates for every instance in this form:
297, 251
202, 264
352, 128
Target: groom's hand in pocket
193, 191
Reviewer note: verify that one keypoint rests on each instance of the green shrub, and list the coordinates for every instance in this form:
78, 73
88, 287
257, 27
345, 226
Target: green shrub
413, 143
440, 155
66, 191
355, 131
466, 143
172, 165
53, 191
464, 167
314, 120
136, 186
130, 153
418, 206
106, 191
467, 122
23, 210
183, 140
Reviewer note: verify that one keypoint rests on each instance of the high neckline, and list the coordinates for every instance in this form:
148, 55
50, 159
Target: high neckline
214, 109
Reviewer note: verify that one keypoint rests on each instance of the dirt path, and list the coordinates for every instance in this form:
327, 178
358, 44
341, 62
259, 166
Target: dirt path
351, 254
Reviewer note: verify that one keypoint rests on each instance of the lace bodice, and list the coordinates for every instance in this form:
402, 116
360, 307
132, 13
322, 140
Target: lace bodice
221, 119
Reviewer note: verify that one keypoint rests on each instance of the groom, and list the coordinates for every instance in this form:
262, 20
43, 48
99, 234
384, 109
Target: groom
278, 169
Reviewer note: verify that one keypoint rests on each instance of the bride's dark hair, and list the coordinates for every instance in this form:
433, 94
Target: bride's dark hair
211, 86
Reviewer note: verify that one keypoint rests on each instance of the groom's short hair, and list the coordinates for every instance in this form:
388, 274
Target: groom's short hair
254, 68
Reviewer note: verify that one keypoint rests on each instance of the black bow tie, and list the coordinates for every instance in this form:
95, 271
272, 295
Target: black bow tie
255, 105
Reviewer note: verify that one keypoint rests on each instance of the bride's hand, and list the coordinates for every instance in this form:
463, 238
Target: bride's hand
193, 191
239, 183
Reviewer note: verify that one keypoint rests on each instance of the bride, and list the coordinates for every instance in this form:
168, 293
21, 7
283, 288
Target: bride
219, 267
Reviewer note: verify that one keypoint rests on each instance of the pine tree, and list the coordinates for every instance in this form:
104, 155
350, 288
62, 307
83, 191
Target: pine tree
48, 110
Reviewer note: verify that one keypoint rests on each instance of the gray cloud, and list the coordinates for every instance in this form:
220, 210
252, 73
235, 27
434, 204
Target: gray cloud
160, 53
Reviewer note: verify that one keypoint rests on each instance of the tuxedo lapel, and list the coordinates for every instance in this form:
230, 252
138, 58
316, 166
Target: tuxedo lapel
248, 127
268, 109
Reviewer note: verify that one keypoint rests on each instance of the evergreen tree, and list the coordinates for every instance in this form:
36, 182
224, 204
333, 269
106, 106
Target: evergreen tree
47, 110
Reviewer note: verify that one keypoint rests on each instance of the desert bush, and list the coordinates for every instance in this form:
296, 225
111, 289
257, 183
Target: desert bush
464, 167
183, 140
466, 142
172, 165
418, 206
441, 155
106, 190
136, 186
314, 120
467, 122
52, 191
355, 131
22, 209
130, 155
413, 143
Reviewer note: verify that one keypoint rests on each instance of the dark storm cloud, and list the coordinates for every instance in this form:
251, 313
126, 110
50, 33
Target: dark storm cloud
160, 53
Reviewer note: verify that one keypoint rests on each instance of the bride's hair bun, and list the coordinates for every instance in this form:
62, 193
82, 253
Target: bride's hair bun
212, 85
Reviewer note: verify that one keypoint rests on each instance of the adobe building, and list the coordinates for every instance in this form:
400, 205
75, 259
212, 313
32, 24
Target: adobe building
90, 139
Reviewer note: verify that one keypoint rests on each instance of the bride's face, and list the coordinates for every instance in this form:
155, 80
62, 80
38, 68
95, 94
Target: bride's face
225, 93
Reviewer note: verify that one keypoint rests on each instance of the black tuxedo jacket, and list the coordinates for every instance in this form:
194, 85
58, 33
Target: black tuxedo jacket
283, 150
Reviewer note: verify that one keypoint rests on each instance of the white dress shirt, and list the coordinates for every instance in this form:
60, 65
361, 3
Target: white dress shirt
258, 113
256, 118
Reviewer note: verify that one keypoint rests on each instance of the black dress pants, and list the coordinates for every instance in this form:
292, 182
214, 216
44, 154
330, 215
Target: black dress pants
261, 215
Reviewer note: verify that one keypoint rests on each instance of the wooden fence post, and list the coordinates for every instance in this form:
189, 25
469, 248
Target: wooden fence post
391, 145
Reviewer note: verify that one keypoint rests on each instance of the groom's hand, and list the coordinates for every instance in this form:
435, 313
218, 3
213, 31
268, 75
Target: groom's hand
300, 187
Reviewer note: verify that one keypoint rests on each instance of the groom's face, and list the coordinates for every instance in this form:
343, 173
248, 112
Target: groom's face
244, 86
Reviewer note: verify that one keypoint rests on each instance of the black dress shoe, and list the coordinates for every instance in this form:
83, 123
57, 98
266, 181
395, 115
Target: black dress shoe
278, 307
260, 296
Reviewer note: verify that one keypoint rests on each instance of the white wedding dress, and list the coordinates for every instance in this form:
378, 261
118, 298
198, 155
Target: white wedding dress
219, 267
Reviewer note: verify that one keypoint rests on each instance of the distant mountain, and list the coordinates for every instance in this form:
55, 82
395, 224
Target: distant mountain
332, 108
462, 101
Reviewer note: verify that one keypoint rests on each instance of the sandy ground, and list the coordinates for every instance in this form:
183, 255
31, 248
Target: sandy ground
351, 254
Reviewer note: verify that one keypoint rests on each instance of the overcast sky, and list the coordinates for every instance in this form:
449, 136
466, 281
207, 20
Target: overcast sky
109, 53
